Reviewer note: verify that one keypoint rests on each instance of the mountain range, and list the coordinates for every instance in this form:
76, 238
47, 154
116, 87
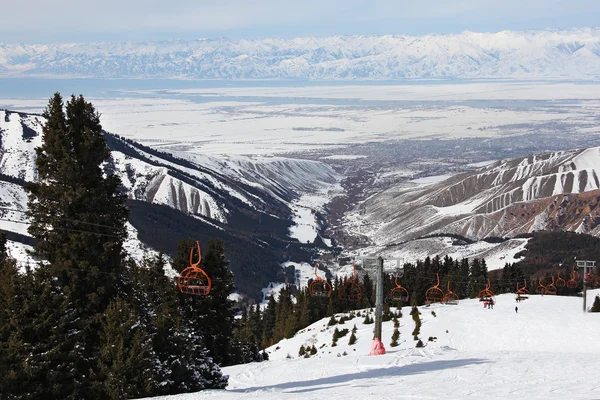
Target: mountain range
556, 191
535, 54
242, 200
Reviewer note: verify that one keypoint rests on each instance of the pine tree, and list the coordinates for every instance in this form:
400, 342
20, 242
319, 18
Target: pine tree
125, 359
78, 220
596, 305
353, 338
11, 344
395, 337
181, 360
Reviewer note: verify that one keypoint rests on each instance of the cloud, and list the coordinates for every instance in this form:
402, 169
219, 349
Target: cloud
72, 19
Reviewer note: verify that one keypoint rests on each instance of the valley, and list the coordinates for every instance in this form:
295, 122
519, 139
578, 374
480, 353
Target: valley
326, 154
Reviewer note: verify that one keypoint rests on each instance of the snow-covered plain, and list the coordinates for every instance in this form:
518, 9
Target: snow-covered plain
548, 350
266, 121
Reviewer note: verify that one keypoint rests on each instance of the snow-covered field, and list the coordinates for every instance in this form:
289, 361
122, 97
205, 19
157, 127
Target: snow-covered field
266, 120
548, 350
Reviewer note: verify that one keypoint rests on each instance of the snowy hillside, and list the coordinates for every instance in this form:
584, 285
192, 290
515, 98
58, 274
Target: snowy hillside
473, 353
540, 192
554, 54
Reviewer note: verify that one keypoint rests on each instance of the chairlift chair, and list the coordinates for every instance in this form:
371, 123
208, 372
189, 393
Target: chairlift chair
560, 282
193, 279
522, 293
551, 289
572, 283
487, 294
319, 287
399, 293
350, 289
589, 279
434, 294
450, 297
540, 289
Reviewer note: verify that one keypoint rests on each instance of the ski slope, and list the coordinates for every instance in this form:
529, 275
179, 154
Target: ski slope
549, 350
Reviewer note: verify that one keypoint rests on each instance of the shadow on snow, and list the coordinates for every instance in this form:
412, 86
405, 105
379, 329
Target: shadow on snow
331, 381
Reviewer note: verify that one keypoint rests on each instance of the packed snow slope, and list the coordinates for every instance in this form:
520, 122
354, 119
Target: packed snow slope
548, 350
550, 54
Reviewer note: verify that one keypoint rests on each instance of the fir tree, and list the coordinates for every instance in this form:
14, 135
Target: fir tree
78, 220
395, 337
352, 339
126, 354
596, 305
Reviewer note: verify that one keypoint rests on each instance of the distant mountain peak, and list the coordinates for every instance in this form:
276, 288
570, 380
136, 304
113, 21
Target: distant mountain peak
533, 54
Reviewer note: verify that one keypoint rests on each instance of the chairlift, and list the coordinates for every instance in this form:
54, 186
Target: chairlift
560, 282
434, 294
193, 279
486, 294
450, 297
522, 293
572, 283
319, 287
540, 289
350, 289
399, 293
589, 279
551, 289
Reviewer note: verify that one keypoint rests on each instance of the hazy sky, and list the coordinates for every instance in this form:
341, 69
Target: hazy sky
44, 21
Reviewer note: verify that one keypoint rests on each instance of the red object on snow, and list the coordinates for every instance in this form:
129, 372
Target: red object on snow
377, 348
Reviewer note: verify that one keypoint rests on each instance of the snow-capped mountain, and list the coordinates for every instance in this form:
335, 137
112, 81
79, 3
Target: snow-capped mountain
245, 201
550, 54
554, 191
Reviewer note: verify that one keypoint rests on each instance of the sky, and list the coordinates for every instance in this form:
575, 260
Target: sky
65, 21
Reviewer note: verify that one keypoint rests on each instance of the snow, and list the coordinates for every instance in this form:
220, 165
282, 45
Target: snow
306, 226
430, 180
548, 54
545, 351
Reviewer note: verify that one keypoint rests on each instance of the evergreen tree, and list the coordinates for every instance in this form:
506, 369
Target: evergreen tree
11, 343
395, 337
78, 220
596, 305
181, 360
125, 359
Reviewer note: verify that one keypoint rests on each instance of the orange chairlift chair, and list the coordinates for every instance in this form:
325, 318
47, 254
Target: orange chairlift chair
487, 294
434, 294
560, 282
572, 283
193, 279
399, 293
319, 287
589, 279
551, 289
540, 289
522, 293
450, 297
350, 289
